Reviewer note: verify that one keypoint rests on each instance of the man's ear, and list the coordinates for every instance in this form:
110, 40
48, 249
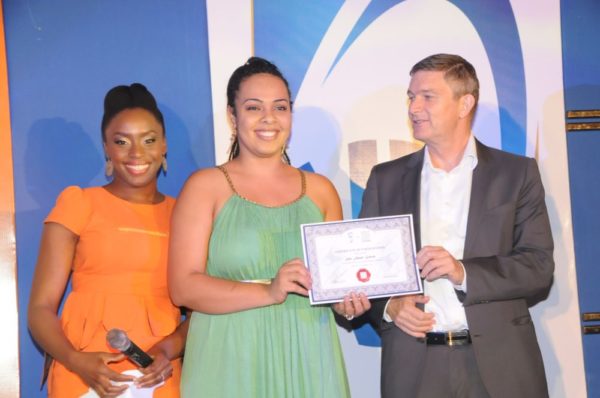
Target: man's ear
467, 102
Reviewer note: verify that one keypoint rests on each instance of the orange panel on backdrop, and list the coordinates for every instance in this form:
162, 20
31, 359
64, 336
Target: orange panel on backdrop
9, 355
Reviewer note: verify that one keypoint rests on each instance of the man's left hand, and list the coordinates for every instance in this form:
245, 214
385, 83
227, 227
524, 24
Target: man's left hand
435, 262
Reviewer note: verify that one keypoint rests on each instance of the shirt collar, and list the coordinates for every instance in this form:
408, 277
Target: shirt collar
470, 154
469, 158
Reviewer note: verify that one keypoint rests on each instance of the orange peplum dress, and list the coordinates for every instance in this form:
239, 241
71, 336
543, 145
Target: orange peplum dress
119, 280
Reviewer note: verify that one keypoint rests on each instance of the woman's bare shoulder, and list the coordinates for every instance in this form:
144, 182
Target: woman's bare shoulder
319, 184
206, 179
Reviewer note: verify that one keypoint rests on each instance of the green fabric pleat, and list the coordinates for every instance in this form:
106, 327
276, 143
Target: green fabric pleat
287, 350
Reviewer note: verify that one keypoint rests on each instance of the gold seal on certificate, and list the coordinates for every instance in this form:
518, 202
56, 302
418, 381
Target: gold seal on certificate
374, 256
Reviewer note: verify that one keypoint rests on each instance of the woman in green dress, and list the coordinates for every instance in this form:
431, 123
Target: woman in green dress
235, 259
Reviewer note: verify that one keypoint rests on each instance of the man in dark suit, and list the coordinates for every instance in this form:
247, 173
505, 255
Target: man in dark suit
484, 250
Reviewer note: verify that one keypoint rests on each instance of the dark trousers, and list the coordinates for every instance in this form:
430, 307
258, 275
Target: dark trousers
451, 371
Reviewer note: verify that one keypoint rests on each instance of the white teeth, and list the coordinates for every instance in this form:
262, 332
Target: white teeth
266, 134
138, 167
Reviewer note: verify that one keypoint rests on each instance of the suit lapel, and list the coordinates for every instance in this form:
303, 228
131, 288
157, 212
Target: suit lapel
411, 192
479, 189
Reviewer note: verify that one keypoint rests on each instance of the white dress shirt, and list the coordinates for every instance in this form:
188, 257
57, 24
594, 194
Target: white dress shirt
445, 198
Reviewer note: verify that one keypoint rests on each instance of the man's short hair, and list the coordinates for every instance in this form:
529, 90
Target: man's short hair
458, 72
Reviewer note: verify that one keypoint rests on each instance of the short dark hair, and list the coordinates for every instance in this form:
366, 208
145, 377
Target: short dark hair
253, 66
123, 97
457, 71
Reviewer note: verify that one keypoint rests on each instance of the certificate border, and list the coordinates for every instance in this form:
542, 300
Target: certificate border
320, 295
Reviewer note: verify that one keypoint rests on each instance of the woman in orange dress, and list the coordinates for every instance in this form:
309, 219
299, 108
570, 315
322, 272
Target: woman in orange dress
113, 240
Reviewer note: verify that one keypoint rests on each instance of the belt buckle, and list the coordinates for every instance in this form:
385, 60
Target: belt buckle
449, 340
457, 338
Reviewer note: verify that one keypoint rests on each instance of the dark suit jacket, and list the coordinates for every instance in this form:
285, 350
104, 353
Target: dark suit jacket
508, 261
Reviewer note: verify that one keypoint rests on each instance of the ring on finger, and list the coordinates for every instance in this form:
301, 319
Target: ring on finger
349, 317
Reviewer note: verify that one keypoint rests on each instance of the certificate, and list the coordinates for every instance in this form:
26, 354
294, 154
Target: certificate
375, 256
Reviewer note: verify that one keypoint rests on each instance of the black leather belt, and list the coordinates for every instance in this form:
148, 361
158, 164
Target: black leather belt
460, 337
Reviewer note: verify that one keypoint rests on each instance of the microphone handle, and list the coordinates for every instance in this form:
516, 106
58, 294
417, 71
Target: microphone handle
137, 355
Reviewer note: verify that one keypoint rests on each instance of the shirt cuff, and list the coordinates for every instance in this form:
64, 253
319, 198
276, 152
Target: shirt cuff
386, 316
463, 286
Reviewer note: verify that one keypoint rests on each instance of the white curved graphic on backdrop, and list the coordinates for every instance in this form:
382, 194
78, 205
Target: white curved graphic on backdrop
365, 94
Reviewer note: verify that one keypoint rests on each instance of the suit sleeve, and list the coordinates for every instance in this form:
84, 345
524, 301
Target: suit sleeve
370, 200
524, 270
370, 208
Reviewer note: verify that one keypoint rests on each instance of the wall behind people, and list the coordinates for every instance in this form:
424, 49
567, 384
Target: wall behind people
9, 358
581, 63
62, 58
348, 63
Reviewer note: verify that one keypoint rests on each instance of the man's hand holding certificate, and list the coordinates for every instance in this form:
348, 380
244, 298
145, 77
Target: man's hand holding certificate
374, 256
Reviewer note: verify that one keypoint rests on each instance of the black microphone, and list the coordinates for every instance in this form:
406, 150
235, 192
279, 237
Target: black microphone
118, 340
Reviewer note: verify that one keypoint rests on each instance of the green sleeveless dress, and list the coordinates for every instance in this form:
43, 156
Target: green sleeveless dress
281, 351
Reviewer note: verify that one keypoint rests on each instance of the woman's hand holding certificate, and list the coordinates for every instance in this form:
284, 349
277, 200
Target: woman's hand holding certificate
291, 278
353, 305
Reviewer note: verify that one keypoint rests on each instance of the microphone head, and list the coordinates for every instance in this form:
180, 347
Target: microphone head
118, 339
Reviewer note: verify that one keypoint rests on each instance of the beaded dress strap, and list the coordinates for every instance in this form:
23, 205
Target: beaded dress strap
230, 183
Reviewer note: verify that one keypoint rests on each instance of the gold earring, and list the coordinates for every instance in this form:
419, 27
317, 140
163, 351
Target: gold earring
164, 164
108, 168
234, 148
284, 156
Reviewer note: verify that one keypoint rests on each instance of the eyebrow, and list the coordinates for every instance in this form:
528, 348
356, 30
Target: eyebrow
130, 134
427, 91
261, 101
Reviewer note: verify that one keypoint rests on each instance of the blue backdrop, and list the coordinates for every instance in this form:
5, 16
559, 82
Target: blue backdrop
581, 63
64, 55
62, 58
